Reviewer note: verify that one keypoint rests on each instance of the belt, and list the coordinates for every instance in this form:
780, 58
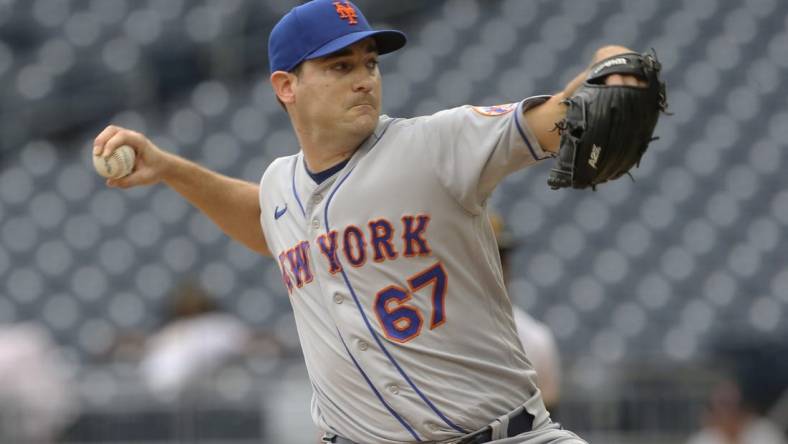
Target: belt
518, 422
335, 439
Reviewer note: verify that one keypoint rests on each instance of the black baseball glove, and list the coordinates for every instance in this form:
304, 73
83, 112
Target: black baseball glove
608, 128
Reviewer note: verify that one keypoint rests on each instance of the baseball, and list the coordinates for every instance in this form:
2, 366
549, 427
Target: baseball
118, 164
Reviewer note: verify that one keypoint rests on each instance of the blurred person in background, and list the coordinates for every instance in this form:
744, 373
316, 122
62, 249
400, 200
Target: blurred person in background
728, 419
197, 339
538, 341
37, 399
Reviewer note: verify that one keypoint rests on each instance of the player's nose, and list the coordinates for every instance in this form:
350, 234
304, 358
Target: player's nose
364, 83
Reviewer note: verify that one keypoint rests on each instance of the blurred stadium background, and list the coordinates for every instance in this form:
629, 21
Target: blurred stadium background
655, 289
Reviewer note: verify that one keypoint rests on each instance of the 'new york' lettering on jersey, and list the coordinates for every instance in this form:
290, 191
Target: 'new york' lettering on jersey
294, 262
373, 260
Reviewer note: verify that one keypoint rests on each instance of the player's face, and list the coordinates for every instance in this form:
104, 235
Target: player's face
342, 91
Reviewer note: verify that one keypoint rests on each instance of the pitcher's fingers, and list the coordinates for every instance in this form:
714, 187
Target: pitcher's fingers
125, 181
103, 136
123, 137
631, 81
614, 79
122, 183
618, 79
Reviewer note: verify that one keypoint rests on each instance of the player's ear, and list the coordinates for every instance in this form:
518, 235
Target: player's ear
283, 84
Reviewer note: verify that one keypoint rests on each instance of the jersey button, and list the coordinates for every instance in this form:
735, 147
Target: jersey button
317, 198
315, 223
432, 426
363, 345
394, 389
338, 298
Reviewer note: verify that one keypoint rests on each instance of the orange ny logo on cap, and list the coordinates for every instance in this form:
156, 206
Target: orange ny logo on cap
346, 12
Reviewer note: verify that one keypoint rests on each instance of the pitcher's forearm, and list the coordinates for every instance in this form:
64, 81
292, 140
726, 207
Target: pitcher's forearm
232, 204
542, 120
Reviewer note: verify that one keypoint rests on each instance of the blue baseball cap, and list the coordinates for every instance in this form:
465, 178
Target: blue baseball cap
322, 27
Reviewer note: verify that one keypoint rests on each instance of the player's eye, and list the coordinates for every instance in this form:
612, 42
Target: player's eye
341, 66
372, 64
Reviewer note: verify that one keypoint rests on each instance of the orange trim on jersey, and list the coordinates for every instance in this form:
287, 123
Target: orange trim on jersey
400, 304
286, 280
298, 258
330, 251
361, 245
409, 235
434, 299
382, 240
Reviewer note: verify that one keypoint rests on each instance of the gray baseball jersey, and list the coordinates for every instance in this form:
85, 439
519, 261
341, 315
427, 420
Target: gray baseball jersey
394, 277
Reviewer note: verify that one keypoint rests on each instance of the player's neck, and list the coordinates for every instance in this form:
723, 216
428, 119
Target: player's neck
319, 162
322, 151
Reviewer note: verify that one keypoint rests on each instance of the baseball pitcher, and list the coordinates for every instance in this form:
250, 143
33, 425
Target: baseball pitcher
380, 230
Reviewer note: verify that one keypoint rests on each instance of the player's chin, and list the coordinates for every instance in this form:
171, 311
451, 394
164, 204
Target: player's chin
365, 120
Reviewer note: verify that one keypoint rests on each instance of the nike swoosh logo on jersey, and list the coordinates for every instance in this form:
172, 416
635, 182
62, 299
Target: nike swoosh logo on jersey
279, 213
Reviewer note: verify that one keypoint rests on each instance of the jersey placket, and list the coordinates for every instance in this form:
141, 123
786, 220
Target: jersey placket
351, 325
366, 345
331, 290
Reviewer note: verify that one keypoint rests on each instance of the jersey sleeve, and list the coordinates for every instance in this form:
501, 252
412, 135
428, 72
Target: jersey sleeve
473, 148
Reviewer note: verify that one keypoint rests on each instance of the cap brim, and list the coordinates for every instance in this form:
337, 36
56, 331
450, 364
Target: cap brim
387, 41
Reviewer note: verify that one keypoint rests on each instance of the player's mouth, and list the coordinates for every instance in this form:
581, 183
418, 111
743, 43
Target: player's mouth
363, 105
